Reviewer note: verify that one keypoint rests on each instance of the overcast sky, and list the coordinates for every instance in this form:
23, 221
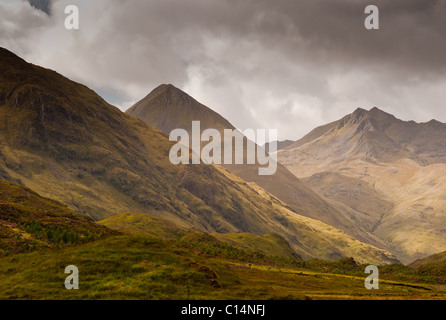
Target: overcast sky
286, 64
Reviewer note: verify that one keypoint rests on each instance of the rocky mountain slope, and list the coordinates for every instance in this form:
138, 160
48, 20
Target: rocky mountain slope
386, 172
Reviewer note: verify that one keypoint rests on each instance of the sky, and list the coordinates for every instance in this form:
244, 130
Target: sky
289, 65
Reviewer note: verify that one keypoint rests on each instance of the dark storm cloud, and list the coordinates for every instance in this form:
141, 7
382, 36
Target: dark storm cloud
412, 35
286, 64
43, 5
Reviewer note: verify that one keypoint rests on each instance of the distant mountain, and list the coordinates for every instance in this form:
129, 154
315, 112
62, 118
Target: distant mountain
62, 140
270, 244
387, 173
379, 136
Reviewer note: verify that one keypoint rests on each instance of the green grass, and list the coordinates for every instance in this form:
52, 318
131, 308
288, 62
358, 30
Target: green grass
29, 222
144, 266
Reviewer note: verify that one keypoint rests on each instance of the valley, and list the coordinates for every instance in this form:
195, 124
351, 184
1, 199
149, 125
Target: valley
82, 183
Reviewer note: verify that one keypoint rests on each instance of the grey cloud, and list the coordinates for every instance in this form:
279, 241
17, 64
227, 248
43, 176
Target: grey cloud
260, 63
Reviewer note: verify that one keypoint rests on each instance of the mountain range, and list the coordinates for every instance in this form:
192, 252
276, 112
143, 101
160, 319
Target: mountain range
387, 174
167, 107
368, 185
62, 140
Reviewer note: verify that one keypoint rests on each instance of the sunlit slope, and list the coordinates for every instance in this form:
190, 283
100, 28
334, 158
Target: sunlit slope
307, 235
387, 172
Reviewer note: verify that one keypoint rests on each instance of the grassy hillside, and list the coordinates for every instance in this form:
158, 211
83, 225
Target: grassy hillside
270, 244
438, 258
147, 267
156, 259
132, 223
29, 222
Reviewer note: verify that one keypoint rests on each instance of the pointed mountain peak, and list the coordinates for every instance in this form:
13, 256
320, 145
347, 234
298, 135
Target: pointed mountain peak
166, 96
375, 116
381, 113
165, 88
358, 115
359, 111
166, 107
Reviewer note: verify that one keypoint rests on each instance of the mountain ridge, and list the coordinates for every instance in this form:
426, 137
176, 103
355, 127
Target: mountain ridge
62, 140
401, 163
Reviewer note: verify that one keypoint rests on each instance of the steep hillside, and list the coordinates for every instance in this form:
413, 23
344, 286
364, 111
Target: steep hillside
279, 145
439, 258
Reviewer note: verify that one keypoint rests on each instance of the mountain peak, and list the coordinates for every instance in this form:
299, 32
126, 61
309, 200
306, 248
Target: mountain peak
359, 113
166, 88
166, 107
377, 117
166, 95
359, 110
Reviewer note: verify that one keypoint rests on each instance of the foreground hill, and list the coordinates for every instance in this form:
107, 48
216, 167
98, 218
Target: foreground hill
29, 222
62, 140
270, 244
387, 173
147, 267
159, 260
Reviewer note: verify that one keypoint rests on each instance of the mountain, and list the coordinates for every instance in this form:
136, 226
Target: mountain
168, 108
386, 172
62, 140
